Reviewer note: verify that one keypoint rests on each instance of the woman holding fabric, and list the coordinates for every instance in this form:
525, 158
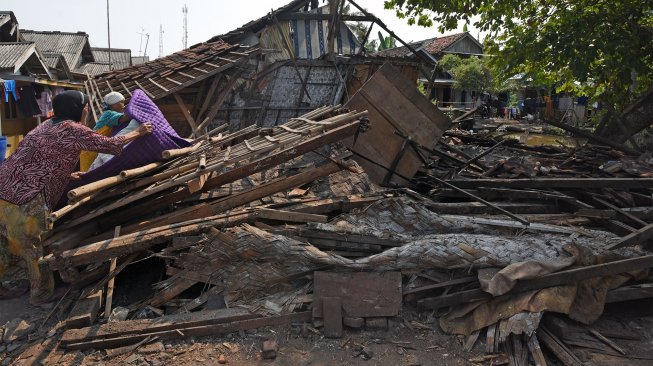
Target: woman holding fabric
113, 115
34, 178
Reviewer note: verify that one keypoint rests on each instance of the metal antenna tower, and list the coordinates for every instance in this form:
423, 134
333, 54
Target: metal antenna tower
160, 40
184, 40
140, 45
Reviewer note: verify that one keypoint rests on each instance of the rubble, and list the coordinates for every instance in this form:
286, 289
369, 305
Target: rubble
343, 221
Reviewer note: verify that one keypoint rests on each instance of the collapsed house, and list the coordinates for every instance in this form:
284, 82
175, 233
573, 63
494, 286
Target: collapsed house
341, 211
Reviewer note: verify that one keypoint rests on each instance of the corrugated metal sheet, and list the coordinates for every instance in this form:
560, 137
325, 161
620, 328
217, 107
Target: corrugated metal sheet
11, 52
69, 45
120, 57
94, 68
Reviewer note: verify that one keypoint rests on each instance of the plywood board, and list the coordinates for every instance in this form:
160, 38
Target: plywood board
394, 105
363, 294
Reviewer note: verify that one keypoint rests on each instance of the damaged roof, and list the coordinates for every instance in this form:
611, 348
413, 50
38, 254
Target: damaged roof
434, 46
169, 74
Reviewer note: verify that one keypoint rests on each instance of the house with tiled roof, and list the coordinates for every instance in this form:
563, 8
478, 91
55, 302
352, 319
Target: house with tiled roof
442, 87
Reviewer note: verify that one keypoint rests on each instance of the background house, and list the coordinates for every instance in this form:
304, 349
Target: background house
41, 64
289, 63
442, 85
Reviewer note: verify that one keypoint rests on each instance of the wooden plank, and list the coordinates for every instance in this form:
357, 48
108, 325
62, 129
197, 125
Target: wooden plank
195, 331
133, 243
640, 236
110, 284
185, 111
628, 293
275, 186
536, 351
490, 338
175, 288
219, 100
158, 85
394, 104
564, 183
145, 90
363, 294
332, 310
558, 348
166, 322
85, 311
209, 96
458, 281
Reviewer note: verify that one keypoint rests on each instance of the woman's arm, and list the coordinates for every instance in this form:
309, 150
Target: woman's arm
86, 139
142, 130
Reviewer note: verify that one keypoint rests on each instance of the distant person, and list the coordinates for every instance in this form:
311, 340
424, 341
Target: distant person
35, 177
113, 106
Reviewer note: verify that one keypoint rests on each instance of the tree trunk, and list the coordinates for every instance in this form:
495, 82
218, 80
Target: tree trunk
632, 120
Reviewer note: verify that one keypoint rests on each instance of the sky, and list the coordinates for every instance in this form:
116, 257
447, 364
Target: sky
129, 19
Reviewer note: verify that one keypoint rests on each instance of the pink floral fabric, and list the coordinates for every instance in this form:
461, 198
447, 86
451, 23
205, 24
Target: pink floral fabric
46, 158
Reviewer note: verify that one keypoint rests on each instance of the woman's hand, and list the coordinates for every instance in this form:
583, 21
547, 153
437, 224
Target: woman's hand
76, 175
84, 114
144, 129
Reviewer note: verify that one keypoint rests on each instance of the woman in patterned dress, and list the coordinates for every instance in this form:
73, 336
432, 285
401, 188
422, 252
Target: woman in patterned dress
34, 178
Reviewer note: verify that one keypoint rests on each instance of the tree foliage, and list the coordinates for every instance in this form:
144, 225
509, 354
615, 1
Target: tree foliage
599, 48
469, 73
386, 42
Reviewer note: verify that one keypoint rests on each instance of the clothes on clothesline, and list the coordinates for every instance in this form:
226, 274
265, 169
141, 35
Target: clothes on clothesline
10, 88
45, 103
27, 103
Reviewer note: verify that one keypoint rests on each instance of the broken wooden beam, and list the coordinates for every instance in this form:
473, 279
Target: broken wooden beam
562, 183
194, 330
642, 235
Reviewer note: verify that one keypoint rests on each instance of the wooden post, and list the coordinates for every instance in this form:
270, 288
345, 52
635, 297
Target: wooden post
185, 111
112, 267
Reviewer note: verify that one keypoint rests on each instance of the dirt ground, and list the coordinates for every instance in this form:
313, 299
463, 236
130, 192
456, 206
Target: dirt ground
396, 346
410, 340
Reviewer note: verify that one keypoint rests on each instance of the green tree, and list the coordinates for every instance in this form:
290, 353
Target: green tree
599, 48
386, 42
470, 74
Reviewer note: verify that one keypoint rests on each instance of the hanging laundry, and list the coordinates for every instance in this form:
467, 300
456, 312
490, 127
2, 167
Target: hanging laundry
27, 102
45, 103
10, 87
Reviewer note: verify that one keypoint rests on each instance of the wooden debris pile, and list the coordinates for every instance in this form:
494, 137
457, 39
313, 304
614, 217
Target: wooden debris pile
266, 227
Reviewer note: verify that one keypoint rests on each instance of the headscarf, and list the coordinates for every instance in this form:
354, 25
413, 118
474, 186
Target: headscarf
68, 106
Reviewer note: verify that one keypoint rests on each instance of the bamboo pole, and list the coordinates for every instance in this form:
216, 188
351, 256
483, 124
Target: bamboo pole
125, 174
168, 154
77, 193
